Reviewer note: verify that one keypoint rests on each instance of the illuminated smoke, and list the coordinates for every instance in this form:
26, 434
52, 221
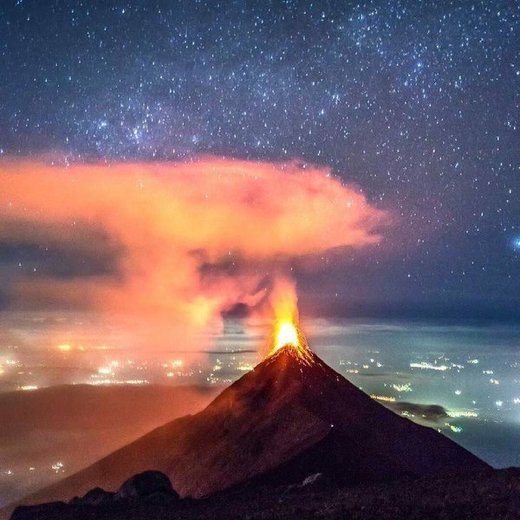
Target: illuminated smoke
178, 237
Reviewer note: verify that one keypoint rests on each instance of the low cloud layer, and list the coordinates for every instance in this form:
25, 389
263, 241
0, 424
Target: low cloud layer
171, 245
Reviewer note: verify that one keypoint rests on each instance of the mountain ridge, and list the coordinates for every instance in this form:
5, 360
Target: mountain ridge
288, 416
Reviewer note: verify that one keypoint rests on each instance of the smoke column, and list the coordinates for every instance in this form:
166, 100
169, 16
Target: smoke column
141, 240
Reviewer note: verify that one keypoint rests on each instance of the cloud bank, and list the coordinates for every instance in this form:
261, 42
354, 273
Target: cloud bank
173, 245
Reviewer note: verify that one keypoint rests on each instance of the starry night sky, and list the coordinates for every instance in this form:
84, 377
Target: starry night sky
416, 102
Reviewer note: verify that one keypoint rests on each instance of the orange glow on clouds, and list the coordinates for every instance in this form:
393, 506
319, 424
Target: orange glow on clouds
164, 221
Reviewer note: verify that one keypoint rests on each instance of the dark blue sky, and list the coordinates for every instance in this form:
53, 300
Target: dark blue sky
416, 102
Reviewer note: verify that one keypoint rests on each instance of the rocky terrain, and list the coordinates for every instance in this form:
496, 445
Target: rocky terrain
482, 495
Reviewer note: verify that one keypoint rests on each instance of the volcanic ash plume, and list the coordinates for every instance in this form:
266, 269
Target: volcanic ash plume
170, 246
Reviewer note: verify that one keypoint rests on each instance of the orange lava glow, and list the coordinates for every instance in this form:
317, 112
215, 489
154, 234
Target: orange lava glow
286, 331
286, 334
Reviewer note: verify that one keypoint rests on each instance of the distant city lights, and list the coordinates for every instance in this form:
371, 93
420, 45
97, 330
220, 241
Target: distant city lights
461, 413
58, 467
28, 387
101, 382
428, 366
384, 398
455, 429
406, 387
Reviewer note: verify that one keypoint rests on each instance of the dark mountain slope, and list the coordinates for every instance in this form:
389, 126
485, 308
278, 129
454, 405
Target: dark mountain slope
289, 417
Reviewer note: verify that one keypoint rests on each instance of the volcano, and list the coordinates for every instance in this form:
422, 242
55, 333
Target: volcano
290, 417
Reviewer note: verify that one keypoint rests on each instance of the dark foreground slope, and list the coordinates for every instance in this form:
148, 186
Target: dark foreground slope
481, 495
286, 419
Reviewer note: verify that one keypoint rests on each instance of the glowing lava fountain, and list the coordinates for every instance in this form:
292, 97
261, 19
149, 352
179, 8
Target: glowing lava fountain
287, 335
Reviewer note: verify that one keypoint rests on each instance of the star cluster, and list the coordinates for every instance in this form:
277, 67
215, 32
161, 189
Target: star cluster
417, 102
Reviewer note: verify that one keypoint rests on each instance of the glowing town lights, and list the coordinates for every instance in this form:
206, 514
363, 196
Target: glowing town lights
455, 429
58, 467
385, 398
136, 382
461, 413
28, 387
423, 365
406, 387
64, 347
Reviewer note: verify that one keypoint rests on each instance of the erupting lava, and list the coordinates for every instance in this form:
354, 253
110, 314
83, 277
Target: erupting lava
286, 333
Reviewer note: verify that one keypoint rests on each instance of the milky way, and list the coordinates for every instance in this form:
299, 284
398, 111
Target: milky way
416, 102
